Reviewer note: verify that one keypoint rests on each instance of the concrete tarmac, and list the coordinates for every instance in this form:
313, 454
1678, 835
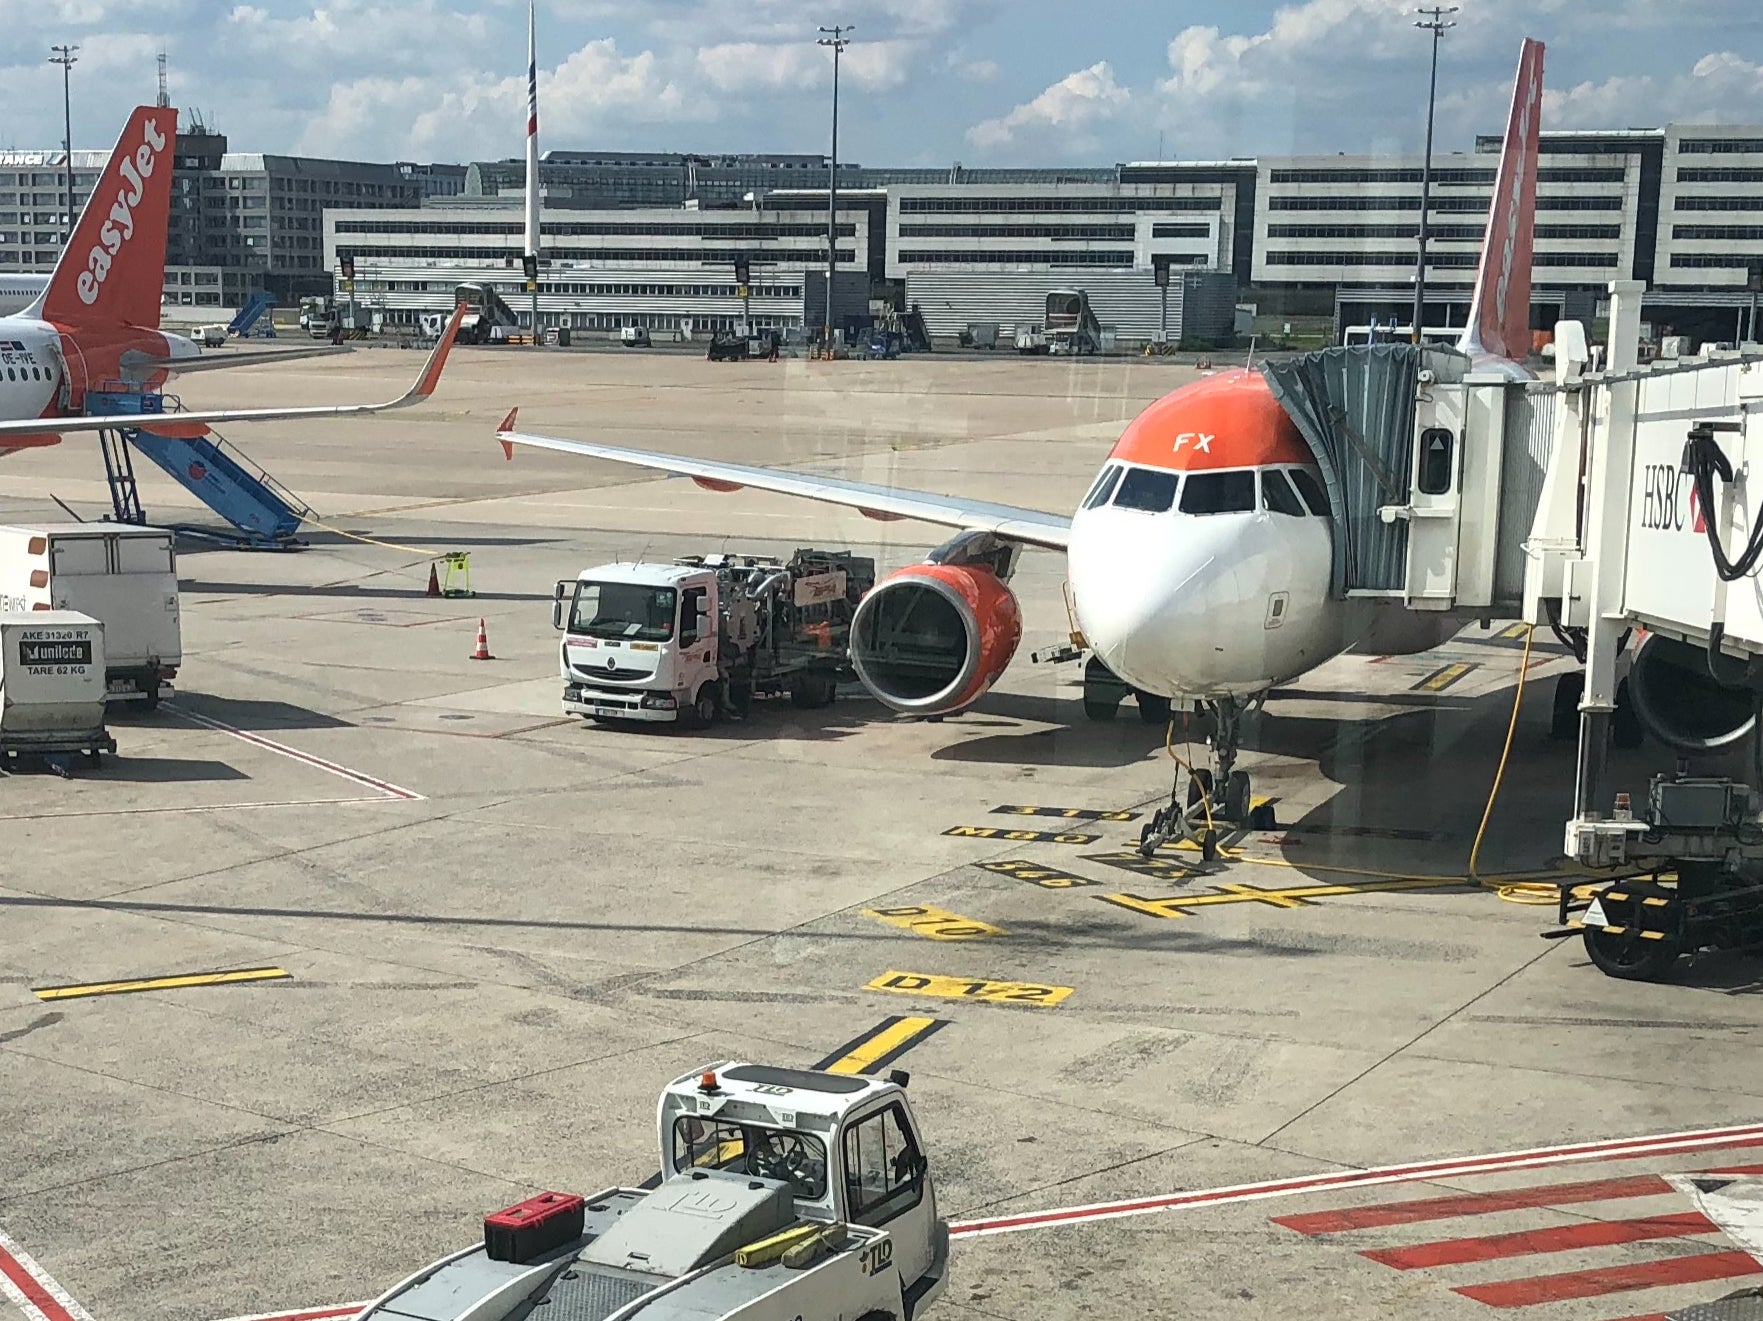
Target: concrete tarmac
503, 929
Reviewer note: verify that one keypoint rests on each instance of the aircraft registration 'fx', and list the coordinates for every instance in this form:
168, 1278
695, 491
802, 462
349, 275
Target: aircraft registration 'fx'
95, 324
1199, 560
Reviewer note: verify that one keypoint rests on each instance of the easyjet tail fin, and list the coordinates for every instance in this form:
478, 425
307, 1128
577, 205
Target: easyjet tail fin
1499, 316
113, 269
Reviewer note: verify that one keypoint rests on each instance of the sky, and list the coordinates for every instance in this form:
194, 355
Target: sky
923, 82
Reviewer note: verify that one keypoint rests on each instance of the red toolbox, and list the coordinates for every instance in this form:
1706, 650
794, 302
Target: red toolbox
534, 1227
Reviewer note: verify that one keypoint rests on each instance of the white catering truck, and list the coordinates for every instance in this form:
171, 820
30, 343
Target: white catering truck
785, 1194
125, 576
704, 635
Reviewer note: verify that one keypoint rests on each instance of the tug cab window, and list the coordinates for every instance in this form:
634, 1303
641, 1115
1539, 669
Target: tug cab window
1219, 493
884, 1170
1150, 490
798, 1159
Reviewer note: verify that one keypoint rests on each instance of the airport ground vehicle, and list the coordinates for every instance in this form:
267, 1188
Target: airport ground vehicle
52, 685
785, 1194
1071, 323
704, 635
125, 577
634, 337
1031, 339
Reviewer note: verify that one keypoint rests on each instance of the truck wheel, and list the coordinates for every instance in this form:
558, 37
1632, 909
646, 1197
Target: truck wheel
703, 710
1624, 955
1564, 715
1626, 730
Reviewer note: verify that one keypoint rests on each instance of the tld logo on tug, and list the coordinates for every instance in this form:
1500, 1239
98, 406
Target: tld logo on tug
1669, 500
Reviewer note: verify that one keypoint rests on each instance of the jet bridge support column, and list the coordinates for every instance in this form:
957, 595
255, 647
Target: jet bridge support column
1607, 551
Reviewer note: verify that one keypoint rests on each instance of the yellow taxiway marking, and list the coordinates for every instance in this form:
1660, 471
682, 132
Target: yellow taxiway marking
1022, 836
1048, 878
936, 923
1298, 896
161, 983
881, 1045
1443, 677
1069, 813
1514, 630
961, 988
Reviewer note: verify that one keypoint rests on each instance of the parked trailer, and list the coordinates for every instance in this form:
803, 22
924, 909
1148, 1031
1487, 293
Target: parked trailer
52, 685
702, 636
124, 576
785, 1194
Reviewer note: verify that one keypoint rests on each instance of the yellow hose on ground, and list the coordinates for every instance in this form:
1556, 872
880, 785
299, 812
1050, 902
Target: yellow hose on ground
1514, 892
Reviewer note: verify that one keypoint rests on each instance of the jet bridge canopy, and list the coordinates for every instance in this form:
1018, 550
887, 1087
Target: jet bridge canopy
1355, 408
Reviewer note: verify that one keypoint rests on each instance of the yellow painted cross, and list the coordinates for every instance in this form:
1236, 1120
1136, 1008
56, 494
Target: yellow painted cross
1299, 896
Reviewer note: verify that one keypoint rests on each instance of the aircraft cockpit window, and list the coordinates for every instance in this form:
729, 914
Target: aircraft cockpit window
1103, 488
1311, 489
1151, 490
1277, 494
1219, 493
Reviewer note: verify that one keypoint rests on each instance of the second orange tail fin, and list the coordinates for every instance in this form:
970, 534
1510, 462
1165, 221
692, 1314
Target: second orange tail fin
1499, 316
113, 269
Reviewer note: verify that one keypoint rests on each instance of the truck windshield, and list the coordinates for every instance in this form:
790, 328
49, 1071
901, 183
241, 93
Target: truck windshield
623, 610
798, 1159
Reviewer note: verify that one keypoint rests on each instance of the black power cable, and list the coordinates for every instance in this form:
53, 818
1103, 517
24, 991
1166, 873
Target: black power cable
1703, 460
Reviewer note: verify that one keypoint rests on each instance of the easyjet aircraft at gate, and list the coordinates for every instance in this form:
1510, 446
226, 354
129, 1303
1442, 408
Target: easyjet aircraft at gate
95, 325
1199, 560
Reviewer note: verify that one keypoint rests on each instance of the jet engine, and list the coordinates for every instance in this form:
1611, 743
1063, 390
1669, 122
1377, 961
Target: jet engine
930, 639
1679, 702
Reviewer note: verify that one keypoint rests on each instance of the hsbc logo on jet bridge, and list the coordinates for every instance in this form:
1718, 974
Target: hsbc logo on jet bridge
1668, 499
119, 226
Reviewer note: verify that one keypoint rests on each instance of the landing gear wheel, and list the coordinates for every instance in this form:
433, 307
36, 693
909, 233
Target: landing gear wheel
1099, 706
1153, 710
740, 700
1625, 725
1236, 797
1564, 715
1209, 846
813, 690
1199, 784
1624, 955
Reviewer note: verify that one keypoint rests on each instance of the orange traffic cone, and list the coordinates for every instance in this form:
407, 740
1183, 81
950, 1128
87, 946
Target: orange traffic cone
434, 580
483, 644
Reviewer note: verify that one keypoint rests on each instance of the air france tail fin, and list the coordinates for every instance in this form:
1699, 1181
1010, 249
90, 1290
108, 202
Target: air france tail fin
1499, 316
113, 269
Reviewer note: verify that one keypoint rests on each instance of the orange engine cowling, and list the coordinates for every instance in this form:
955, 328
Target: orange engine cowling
932, 638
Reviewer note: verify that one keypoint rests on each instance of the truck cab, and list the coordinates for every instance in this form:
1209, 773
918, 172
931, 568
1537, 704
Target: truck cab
639, 642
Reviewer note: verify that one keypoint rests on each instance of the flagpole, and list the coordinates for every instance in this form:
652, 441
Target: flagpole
532, 165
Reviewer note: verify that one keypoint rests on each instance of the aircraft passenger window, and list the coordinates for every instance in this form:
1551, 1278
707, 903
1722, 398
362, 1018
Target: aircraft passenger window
1219, 493
1103, 488
1151, 490
1311, 489
1277, 494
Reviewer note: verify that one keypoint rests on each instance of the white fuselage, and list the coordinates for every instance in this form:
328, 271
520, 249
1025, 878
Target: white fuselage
1207, 605
31, 367
18, 292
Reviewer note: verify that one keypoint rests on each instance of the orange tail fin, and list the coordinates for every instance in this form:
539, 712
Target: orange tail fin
113, 269
1499, 317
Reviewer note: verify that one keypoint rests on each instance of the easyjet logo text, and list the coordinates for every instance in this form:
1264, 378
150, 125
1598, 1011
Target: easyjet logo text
119, 225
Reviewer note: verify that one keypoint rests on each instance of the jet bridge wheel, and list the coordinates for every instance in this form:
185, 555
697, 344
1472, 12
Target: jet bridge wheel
1625, 955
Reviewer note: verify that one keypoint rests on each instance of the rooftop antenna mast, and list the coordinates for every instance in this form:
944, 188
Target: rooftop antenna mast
164, 101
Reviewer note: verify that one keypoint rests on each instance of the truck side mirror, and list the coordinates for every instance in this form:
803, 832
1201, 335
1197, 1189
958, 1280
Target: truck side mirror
559, 599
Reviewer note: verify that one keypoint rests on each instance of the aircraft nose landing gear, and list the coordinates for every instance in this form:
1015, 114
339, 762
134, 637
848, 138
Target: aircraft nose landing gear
1197, 810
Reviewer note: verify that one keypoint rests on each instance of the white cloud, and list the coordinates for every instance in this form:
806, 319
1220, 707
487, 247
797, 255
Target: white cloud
1067, 110
1719, 88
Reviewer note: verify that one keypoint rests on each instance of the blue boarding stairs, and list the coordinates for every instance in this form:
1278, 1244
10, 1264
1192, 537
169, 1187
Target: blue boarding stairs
264, 514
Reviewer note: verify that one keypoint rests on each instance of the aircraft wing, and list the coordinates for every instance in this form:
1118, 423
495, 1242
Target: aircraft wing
176, 423
219, 360
1032, 527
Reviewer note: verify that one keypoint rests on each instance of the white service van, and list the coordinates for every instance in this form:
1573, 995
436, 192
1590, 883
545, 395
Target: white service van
125, 577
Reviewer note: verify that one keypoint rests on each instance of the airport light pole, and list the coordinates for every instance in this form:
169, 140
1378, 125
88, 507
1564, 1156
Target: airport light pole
837, 38
1434, 21
66, 58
